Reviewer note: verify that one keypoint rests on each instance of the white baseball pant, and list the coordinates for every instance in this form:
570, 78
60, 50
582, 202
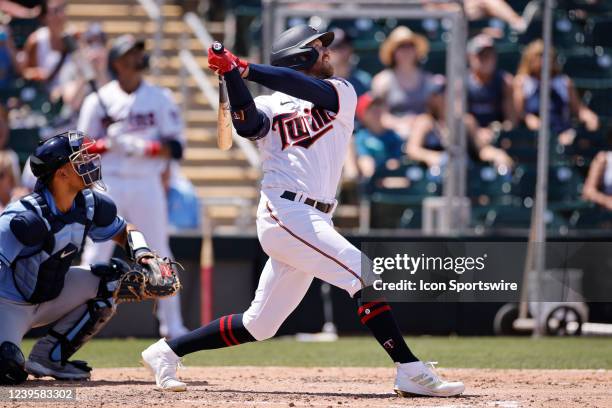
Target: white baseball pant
302, 244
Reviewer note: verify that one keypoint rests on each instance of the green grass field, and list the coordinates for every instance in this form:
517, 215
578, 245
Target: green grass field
466, 352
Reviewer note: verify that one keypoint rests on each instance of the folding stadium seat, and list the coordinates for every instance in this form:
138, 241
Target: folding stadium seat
509, 216
586, 145
599, 102
369, 61
407, 184
431, 28
508, 56
590, 70
590, 6
518, 5
24, 142
396, 195
517, 137
564, 187
591, 217
21, 29
486, 185
436, 61
566, 34
523, 181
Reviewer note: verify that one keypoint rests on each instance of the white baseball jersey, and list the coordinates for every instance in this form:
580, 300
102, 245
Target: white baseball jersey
149, 113
304, 150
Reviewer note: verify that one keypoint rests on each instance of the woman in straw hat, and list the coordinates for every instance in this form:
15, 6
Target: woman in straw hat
403, 85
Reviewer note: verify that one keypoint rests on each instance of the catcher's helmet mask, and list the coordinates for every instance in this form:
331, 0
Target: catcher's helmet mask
68, 147
291, 49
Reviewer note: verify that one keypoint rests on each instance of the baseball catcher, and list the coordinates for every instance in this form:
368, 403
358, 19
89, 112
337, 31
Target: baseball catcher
40, 236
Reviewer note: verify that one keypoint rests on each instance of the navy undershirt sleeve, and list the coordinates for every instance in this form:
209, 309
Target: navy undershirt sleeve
248, 121
296, 84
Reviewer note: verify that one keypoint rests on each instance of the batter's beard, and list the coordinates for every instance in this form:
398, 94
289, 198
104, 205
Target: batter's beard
321, 71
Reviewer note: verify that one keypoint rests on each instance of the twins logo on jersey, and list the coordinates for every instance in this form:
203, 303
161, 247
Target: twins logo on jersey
302, 130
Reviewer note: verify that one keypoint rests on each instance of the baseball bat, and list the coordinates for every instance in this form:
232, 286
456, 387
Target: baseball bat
224, 120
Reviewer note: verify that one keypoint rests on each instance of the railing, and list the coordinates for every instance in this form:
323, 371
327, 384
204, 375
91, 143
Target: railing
210, 92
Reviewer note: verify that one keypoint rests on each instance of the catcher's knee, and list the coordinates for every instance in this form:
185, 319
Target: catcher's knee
99, 311
12, 364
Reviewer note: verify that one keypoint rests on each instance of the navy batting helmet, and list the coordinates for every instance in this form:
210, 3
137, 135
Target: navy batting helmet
67, 147
291, 48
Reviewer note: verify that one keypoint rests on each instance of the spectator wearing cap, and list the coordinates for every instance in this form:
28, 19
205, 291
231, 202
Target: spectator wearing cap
45, 52
343, 59
429, 137
564, 99
489, 89
404, 86
374, 144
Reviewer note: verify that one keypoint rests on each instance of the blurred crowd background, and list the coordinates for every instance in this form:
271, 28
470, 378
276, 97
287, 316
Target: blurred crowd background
398, 69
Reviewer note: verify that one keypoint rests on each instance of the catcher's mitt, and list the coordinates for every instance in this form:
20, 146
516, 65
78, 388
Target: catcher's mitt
153, 278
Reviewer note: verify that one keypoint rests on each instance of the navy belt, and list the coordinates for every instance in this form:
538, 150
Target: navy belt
323, 207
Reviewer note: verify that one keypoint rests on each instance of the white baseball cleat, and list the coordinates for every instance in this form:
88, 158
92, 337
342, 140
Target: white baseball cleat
419, 378
163, 363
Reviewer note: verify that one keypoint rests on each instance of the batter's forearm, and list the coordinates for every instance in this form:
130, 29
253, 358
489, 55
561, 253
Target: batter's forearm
296, 84
248, 121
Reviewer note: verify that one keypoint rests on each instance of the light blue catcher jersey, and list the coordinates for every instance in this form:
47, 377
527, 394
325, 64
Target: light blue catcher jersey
20, 263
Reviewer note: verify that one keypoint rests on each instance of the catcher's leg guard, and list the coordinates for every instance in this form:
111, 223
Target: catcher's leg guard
12, 364
77, 327
99, 312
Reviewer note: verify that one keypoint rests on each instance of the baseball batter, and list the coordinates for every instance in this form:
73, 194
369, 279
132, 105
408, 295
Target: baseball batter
40, 236
138, 128
303, 131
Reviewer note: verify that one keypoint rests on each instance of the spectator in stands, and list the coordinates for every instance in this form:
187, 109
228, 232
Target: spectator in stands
489, 89
404, 86
21, 8
88, 63
8, 63
374, 145
564, 99
9, 181
4, 147
598, 184
429, 137
46, 52
342, 58
480, 9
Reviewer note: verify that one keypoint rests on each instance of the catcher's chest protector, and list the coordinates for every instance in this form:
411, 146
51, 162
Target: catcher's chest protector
39, 275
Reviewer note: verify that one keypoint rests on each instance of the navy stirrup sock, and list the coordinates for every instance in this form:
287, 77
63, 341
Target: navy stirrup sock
226, 331
378, 317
